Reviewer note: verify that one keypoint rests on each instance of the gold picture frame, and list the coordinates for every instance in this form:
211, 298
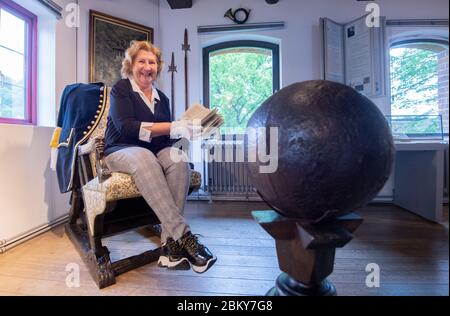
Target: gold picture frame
109, 37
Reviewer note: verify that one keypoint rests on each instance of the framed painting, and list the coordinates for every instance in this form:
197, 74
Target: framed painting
109, 37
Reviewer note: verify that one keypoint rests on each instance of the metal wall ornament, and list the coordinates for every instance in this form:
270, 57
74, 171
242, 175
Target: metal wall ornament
239, 16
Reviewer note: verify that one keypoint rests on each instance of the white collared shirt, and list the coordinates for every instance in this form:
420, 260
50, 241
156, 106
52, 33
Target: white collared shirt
149, 103
144, 134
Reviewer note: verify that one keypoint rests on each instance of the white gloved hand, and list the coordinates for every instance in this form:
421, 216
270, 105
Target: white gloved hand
184, 128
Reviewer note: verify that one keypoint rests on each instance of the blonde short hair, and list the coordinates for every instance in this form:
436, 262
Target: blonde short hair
131, 53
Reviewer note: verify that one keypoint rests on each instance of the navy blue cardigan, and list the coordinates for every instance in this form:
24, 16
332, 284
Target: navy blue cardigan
126, 113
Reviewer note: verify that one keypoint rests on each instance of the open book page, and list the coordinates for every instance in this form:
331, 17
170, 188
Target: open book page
213, 125
209, 119
196, 111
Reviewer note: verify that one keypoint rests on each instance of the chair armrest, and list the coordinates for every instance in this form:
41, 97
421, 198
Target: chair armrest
86, 149
101, 168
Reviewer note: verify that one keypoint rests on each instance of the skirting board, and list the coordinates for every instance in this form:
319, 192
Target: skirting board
6, 244
206, 197
203, 196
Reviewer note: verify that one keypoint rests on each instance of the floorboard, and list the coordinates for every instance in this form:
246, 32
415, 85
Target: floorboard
412, 254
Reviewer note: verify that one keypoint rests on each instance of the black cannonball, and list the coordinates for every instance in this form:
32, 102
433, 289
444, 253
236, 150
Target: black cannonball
335, 150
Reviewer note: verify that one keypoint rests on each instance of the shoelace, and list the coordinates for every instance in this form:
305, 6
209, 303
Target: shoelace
192, 242
174, 246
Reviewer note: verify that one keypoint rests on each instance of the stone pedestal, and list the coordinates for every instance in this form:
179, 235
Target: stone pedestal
306, 251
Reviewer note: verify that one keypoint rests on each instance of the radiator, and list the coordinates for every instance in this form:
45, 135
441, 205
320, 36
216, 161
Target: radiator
446, 175
226, 174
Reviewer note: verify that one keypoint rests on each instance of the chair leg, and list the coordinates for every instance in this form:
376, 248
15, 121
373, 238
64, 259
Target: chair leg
100, 265
94, 254
76, 206
100, 268
90, 247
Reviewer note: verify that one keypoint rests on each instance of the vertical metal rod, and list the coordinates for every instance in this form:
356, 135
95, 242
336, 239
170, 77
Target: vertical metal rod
186, 47
172, 69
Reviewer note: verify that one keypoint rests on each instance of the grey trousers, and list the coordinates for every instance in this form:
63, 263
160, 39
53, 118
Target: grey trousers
162, 182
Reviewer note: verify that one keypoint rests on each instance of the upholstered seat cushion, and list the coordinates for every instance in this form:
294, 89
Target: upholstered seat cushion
118, 186
196, 180
121, 186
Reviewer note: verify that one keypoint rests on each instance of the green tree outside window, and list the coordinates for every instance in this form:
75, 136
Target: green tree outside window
240, 80
414, 89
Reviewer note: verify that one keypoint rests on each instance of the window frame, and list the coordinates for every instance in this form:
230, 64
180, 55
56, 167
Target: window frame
30, 59
401, 42
236, 44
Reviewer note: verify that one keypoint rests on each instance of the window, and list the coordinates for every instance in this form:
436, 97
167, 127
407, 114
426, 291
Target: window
419, 86
17, 64
237, 77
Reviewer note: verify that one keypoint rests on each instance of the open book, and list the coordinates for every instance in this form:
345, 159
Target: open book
209, 120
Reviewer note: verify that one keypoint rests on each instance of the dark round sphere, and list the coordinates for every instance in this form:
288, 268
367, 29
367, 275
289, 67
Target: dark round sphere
335, 150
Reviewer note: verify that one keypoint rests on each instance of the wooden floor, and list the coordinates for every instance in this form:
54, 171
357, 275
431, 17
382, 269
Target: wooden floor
412, 253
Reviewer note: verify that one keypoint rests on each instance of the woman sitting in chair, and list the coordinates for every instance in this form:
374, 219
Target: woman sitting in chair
139, 138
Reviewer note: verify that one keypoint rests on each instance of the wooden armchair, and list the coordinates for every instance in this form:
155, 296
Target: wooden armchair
105, 203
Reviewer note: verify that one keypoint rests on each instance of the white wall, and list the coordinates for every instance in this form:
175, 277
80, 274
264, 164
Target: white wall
26, 186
